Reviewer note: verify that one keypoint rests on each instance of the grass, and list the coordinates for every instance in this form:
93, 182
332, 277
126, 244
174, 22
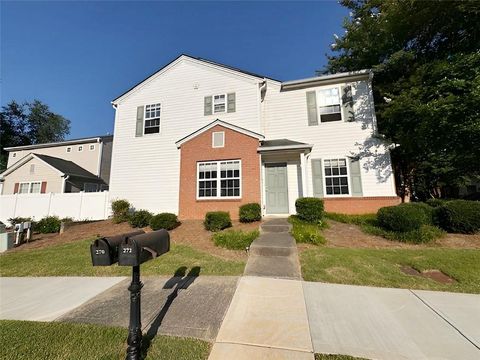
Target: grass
39, 340
336, 357
73, 259
368, 224
235, 239
305, 232
381, 267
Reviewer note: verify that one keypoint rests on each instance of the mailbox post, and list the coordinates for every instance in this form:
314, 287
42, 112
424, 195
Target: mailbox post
131, 249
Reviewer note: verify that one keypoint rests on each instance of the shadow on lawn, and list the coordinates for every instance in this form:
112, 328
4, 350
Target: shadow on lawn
179, 281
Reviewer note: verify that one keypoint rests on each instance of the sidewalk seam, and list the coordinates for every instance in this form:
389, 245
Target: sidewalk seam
264, 346
439, 313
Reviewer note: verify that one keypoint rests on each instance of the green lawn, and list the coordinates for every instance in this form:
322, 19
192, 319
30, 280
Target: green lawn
37, 340
73, 259
382, 267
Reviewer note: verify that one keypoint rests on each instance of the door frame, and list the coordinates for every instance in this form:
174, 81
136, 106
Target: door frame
266, 164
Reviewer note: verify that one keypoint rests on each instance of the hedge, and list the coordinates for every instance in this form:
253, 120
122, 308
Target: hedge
459, 216
120, 210
217, 220
167, 221
402, 218
140, 218
309, 209
250, 213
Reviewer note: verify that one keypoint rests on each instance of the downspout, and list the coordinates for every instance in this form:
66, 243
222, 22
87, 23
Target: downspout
65, 178
262, 90
100, 153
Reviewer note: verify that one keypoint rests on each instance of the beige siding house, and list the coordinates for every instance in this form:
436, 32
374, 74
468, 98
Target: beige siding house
67, 166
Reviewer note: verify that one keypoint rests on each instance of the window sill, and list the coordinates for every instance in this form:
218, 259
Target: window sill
231, 199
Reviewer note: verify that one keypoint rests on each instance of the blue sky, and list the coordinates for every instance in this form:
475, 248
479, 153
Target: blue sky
78, 56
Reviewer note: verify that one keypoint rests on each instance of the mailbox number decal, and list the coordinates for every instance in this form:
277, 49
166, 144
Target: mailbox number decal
99, 252
127, 250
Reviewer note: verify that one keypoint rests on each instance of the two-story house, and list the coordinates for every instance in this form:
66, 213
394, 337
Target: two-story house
61, 167
198, 136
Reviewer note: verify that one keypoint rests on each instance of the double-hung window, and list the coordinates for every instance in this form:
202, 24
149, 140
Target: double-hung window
336, 177
219, 179
30, 187
152, 119
329, 104
219, 103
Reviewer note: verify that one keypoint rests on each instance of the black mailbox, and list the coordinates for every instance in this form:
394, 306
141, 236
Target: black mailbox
137, 249
104, 250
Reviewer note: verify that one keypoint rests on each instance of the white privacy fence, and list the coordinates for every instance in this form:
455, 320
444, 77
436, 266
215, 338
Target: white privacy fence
79, 206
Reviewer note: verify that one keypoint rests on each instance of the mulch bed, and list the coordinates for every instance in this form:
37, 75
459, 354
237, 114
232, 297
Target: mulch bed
190, 232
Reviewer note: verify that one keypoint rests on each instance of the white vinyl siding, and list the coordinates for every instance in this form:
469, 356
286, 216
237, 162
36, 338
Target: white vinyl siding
154, 184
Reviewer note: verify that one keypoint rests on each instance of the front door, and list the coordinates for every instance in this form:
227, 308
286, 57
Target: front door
276, 189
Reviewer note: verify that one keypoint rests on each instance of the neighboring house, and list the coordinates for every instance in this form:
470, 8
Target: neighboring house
198, 136
62, 167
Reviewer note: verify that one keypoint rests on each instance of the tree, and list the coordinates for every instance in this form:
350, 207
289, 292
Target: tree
426, 61
29, 123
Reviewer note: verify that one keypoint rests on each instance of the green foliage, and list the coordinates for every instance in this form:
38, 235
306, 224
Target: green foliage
309, 209
402, 218
427, 75
30, 123
434, 202
424, 234
217, 220
235, 239
459, 216
352, 219
120, 210
49, 224
307, 232
18, 220
167, 221
140, 218
250, 213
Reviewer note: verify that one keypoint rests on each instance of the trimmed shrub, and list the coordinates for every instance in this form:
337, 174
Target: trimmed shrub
235, 239
459, 216
250, 213
402, 218
120, 210
167, 221
428, 210
140, 218
309, 209
217, 220
49, 224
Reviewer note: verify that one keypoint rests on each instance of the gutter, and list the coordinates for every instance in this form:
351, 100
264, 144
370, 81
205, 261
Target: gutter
333, 78
61, 143
285, 147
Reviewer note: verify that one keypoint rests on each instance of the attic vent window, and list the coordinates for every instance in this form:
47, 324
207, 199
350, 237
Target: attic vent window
80, 148
218, 139
69, 149
32, 169
14, 155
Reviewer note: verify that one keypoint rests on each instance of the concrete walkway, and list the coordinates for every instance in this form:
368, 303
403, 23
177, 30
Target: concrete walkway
274, 253
47, 298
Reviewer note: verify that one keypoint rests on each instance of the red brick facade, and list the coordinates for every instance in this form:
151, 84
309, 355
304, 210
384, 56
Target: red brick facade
359, 205
199, 148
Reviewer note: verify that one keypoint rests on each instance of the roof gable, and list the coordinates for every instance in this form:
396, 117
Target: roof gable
220, 123
197, 60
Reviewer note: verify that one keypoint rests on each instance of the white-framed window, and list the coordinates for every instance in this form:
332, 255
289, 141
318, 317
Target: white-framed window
33, 187
336, 176
218, 139
32, 168
90, 187
92, 147
219, 103
329, 104
152, 119
69, 149
80, 148
219, 179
